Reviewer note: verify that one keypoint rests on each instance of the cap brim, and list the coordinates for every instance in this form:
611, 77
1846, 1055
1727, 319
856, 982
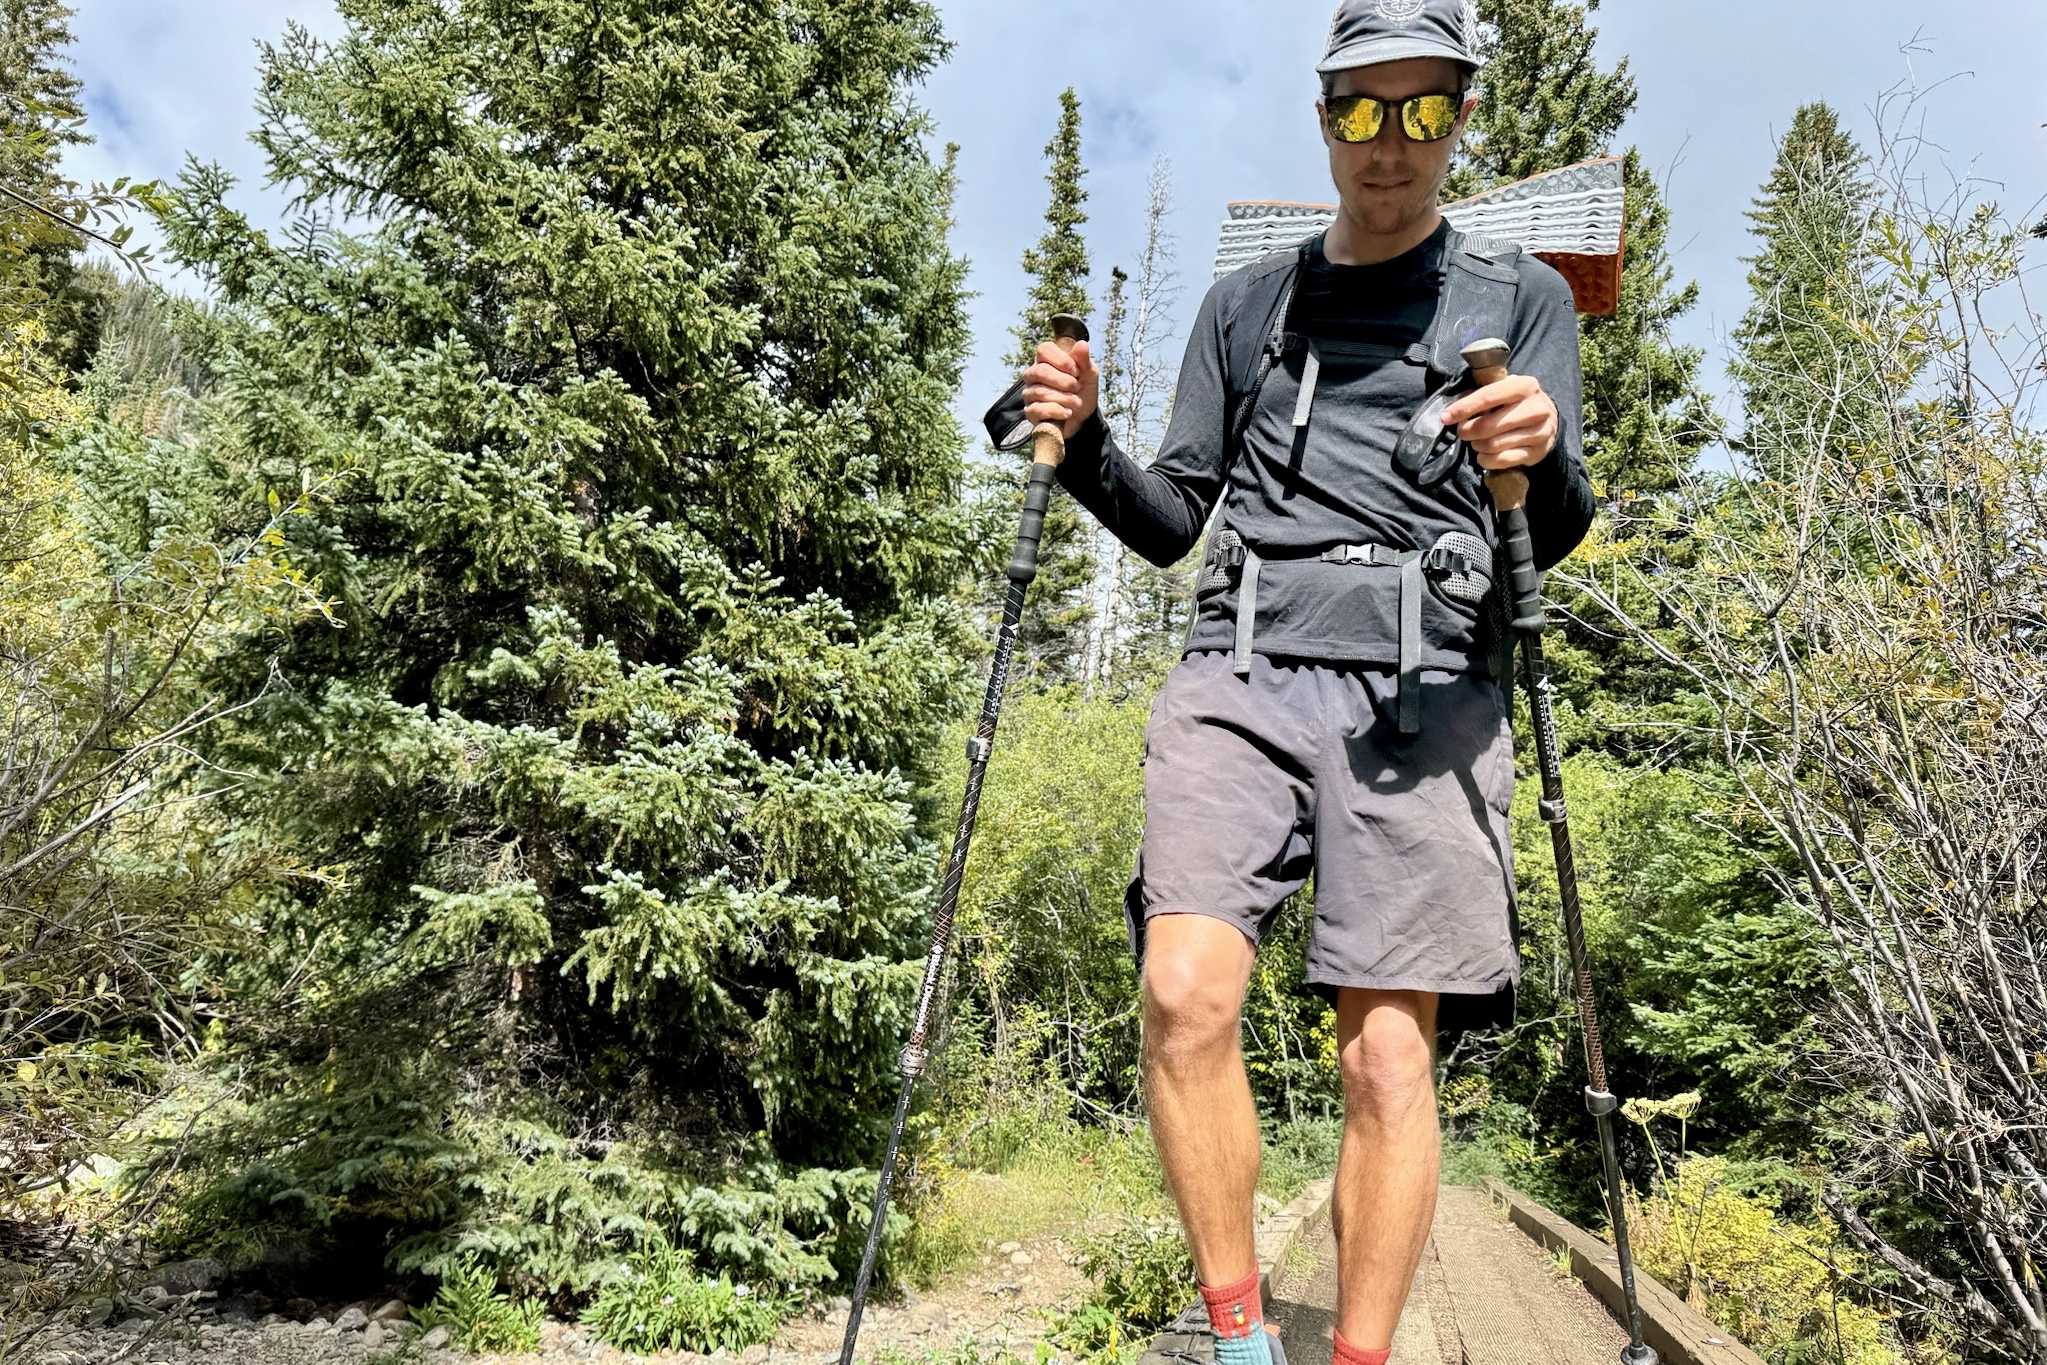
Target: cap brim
1379, 51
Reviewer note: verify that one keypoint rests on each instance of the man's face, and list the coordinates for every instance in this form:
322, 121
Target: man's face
1390, 183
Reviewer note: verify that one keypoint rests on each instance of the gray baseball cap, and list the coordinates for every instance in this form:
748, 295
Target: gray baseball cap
1368, 32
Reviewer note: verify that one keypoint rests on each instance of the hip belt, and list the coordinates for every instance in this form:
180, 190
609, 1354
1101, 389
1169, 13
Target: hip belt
1459, 566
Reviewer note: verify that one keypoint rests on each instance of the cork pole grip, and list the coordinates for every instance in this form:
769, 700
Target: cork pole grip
1048, 443
1048, 452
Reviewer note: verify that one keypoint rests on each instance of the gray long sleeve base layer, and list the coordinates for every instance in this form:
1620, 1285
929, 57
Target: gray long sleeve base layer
1296, 491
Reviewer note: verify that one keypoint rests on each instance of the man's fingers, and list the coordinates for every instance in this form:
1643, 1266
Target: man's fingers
1514, 457
1051, 379
1512, 389
1524, 425
1040, 406
1052, 354
1060, 388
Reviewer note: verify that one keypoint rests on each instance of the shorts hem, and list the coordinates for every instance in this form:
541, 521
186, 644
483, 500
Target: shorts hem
1223, 916
1331, 981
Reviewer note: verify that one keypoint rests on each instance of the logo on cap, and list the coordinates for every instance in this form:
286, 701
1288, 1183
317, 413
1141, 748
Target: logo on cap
1401, 11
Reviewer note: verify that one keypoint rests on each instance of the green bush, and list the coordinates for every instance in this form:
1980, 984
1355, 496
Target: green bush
660, 1304
1143, 1275
1791, 1288
478, 1316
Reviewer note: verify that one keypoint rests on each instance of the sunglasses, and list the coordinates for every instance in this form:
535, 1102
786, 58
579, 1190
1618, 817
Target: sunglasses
1424, 118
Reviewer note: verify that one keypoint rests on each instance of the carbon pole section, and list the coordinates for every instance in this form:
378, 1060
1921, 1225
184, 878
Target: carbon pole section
1049, 451
1489, 361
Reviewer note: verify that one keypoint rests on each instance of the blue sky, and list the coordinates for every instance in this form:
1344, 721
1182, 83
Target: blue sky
1224, 89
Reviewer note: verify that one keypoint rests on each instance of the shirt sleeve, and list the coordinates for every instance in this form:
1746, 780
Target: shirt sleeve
1159, 510
1561, 504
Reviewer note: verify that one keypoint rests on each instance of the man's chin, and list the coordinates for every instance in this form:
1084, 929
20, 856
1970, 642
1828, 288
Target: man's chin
1388, 220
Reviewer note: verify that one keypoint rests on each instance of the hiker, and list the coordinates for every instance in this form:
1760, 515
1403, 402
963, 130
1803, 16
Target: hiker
1343, 706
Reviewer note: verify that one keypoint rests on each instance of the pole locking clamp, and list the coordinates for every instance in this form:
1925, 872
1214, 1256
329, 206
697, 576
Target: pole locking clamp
911, 1063
1553, 812
979, 750
1600, 1103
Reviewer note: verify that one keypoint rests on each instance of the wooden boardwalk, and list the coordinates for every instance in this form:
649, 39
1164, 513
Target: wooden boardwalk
1485, 1295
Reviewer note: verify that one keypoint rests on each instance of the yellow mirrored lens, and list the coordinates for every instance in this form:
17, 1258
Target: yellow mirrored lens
1355, 118
1430, 118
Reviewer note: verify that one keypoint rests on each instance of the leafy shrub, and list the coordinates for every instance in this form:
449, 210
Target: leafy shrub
1781, 1286
659, 1304
1099, 1336
479, 1317
377, 1161
1297, 1153
1142, 1273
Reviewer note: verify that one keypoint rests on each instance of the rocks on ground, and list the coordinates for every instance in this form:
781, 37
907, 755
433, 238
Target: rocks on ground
1011, 1301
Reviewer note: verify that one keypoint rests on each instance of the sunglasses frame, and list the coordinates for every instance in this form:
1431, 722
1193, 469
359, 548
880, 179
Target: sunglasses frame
1398, 107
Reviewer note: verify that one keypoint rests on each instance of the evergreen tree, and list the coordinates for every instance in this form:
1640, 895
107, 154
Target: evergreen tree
1054, 634
1794, 355
1547, 103
644, 515
43, 115
1058, 264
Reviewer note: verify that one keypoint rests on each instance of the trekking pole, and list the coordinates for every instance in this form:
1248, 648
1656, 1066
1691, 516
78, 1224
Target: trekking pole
1489, 361
1049, 450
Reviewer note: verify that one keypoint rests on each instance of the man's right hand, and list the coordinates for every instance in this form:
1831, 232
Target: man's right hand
1063, 389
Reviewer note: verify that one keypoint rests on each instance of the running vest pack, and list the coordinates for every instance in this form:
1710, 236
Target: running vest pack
1481, 282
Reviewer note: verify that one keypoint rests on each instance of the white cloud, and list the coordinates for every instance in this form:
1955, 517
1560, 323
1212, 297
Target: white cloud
1224, 89
164, 78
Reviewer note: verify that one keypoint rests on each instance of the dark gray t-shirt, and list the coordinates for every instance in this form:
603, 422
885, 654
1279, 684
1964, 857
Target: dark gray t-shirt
1293, 495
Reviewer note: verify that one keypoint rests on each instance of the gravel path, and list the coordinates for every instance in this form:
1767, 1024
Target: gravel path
1007, 1302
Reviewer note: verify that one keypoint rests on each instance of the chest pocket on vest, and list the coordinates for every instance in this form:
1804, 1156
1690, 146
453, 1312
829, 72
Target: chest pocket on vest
1342, 387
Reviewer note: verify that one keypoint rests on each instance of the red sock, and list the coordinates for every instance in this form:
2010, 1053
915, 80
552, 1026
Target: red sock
1347, 1354
1236, 1310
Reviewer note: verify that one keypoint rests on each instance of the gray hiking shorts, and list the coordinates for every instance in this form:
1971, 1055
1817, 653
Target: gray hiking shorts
1252, 784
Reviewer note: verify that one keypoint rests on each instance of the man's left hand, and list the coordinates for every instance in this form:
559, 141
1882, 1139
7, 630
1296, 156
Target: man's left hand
1511, 424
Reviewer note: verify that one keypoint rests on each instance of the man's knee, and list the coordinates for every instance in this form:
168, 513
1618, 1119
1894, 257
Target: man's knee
1388, 1049
1194, 976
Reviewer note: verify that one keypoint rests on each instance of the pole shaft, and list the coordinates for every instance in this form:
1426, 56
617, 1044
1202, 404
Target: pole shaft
1489, 361
1023, 569
1555, 813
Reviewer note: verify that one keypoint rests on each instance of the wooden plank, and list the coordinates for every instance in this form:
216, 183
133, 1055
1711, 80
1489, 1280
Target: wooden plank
1496, 1322
1680, 1335
1415, 1342
1283, 1231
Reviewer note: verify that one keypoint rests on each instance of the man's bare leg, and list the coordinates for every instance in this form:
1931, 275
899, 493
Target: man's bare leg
1202, 1118
1392, 1157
